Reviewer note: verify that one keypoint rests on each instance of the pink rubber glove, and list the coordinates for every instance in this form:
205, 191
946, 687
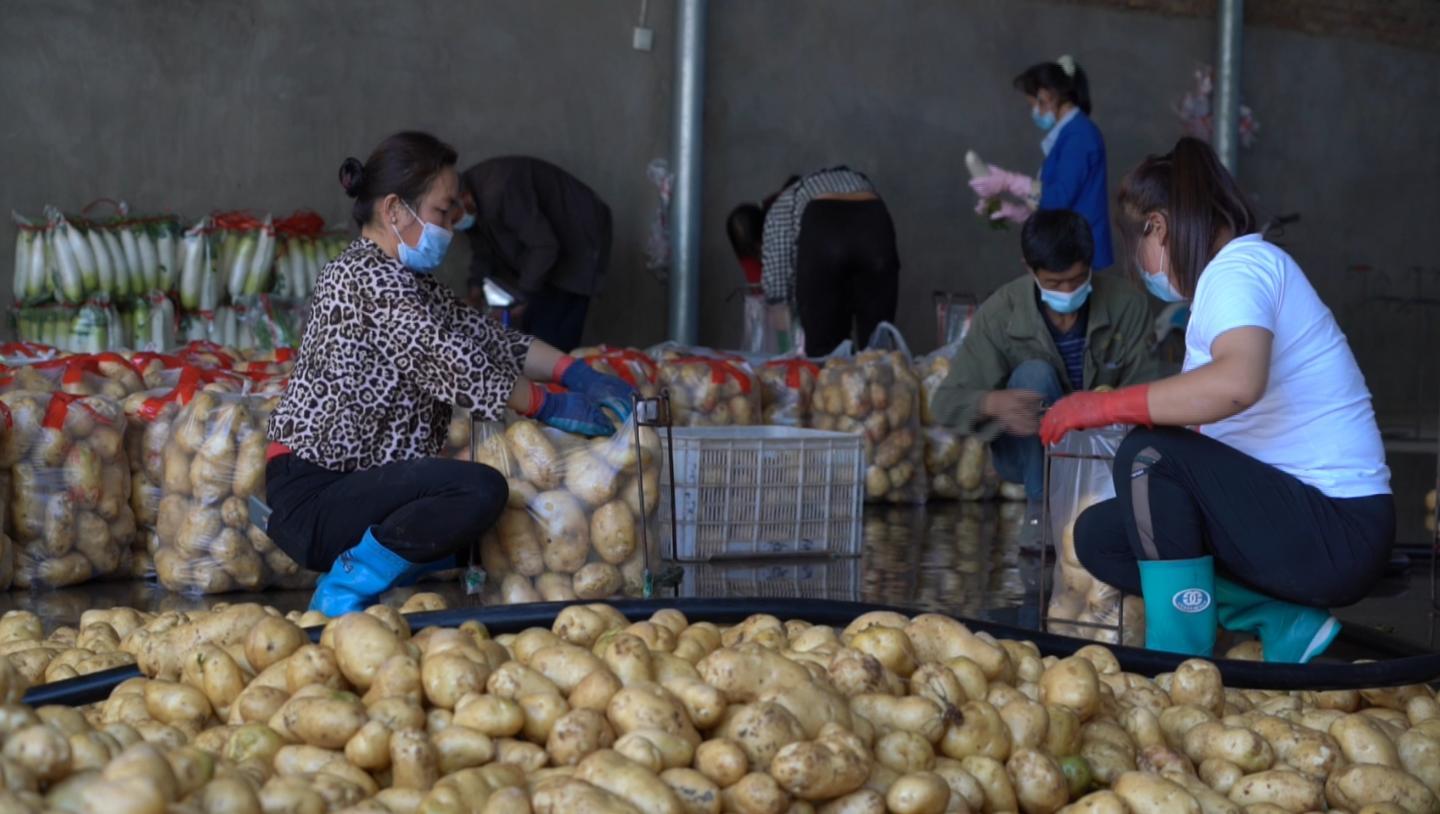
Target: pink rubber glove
1011, 211
1001, 180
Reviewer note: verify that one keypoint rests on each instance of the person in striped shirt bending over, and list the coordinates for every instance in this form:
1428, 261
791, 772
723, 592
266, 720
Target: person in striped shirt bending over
1057, 329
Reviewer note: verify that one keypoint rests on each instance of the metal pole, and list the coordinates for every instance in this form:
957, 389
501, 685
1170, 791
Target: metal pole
689, 112
1227, 81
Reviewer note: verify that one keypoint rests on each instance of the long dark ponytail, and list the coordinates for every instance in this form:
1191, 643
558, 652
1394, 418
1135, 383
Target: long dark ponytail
1199, 198
1064, 78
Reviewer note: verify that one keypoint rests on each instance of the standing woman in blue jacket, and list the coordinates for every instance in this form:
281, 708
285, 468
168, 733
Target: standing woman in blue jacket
1073, 176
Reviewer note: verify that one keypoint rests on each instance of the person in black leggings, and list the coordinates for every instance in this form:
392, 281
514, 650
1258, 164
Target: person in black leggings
829, 253
353, 487
1276, 506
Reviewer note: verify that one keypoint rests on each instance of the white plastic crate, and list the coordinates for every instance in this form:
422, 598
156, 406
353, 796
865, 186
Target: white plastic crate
764, 491
815, 579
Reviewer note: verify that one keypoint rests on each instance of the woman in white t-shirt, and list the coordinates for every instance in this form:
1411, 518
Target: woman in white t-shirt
1276, 506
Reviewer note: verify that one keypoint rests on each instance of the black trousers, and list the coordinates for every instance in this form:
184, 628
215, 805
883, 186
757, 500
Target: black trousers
847, 272
424, 510
1181, 495
556, 318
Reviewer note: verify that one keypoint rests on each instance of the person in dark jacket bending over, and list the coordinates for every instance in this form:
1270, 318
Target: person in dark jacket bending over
547, 231
1056, 329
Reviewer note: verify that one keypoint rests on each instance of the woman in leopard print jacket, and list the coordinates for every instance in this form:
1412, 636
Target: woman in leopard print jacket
352, 480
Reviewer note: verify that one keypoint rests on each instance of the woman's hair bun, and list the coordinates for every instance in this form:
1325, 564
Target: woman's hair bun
352, 176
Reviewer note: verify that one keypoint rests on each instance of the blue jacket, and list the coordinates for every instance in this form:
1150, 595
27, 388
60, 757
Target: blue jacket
1073, 178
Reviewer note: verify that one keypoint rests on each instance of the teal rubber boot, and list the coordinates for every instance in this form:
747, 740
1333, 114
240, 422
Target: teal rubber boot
1289, 633
1179, 605
359, 576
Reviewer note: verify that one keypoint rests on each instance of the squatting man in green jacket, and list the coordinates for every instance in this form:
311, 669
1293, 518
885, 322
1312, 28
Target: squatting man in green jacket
1057, 329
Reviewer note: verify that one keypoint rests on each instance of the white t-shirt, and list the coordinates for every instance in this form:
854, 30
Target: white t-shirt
1315, 420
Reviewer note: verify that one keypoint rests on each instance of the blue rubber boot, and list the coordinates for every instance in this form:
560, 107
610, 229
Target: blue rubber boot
1179, 605
1289, 633
359, 576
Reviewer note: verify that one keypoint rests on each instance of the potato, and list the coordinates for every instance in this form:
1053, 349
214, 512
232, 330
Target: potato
521, 541
980, 731
941, 639
1363, 741
760, 729
1241, 747
554, 587
576, 734
564, 530
312, 664
447, 677
696, 792
994, 782
490, 715
1197, 683
41, 750
611, 771
1040, 785
912, 714
535, 454
723, 761
904, 752
755, 793
591, 478
369, 747
597, 580
834, 764
613, 533
1288, 790
1145, 794
1365, 784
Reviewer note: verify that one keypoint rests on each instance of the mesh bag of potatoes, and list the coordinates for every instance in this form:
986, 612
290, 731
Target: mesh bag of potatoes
148, 418
787, 386
212, 463
1077, 597
632, 366
709, 389
877, 394
104, 374
69, 487
572, 527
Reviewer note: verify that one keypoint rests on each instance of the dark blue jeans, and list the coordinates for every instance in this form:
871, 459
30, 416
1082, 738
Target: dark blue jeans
1022, 459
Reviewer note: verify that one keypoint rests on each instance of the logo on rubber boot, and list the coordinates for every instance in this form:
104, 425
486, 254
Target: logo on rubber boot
1191, 600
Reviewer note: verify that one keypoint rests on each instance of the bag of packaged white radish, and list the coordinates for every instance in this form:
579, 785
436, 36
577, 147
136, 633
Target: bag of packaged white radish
708, 388
213, 462
572, 527
69, 487
1078, 598
30, 281
148, 416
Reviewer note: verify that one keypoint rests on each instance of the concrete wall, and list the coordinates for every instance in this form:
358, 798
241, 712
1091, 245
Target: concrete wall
192, 105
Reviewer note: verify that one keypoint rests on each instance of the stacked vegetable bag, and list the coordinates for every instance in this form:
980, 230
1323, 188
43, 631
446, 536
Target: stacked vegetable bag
213, 462
876, 393
787, 386
572, 528
237, 711
149, 416
708, 388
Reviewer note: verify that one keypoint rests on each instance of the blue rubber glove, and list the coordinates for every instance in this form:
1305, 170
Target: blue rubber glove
611, 392
573, 413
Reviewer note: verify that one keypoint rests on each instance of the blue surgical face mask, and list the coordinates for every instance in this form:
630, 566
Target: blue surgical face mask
1159, 284
466, 221
427, 255
1062, 302
1045, 120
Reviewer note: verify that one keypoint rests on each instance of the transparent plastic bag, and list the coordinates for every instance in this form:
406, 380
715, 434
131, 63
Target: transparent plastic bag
1075, 485
458, 436
877, 394
69, 487
572, 527
956, 465
149, 415
106, 374
708, 388
213, 462
786, 389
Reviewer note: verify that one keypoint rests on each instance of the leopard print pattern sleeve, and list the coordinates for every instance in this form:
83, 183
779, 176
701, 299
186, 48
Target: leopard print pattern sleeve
385, 355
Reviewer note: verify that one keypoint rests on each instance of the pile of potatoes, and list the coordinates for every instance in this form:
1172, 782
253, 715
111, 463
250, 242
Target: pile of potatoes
787, 387
213, 461
106, 374
35, 658
877, 394
572, 526
708, 391
69, 487
633, 366
239, 712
